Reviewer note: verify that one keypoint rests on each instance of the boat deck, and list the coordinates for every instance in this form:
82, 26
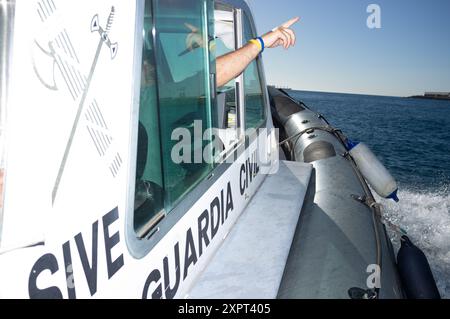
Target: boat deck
251, 261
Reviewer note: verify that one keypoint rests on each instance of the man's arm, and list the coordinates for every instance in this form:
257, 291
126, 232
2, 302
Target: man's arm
230, 65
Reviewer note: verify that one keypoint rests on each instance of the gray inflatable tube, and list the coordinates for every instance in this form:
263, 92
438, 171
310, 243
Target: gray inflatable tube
340, 249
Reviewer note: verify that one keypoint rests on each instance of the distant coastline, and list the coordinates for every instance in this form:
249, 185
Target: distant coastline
425, 97
281, 87
433, 96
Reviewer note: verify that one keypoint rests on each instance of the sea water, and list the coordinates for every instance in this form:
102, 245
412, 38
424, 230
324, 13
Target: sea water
412, 138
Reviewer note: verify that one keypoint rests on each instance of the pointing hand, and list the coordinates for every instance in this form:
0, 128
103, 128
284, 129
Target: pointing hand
282, 35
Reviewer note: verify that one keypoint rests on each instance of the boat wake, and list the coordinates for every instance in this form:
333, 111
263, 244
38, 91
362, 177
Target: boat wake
426, 218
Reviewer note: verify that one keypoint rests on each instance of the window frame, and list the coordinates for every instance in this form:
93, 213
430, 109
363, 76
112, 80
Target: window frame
151, 225
141, 247
210, 94
239, 83
260, 70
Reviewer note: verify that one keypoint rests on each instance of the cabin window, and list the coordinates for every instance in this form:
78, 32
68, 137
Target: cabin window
185, 104
149, 187
254, 101
177, 107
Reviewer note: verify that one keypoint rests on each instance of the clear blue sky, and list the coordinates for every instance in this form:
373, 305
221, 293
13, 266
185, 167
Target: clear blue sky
337, 52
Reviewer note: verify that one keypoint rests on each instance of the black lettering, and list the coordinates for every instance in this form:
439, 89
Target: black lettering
256, 164
154, 276
255, 170
250, 170
230, 205
215, 207
242, 185
222, 210
110, 242
171, 292
246, 173
203, 232
90, 271
46, 262
70, 281
190, 256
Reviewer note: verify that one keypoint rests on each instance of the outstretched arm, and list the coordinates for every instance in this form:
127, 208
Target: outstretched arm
230, 65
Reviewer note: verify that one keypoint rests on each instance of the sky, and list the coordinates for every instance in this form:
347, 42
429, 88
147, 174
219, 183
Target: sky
337, 52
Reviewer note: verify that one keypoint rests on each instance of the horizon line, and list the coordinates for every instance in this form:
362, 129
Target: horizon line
350, 93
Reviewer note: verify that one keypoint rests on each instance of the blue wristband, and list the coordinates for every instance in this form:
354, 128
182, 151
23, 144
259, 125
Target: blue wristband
263, 45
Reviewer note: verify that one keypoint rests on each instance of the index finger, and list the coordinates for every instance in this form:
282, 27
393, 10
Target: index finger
289, 23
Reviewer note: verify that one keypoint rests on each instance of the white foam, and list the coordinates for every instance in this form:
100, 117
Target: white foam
426, 218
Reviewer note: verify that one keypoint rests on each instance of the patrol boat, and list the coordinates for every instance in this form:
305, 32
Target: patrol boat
126, 173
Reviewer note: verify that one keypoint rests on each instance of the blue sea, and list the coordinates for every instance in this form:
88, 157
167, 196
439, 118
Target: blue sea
412, 138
